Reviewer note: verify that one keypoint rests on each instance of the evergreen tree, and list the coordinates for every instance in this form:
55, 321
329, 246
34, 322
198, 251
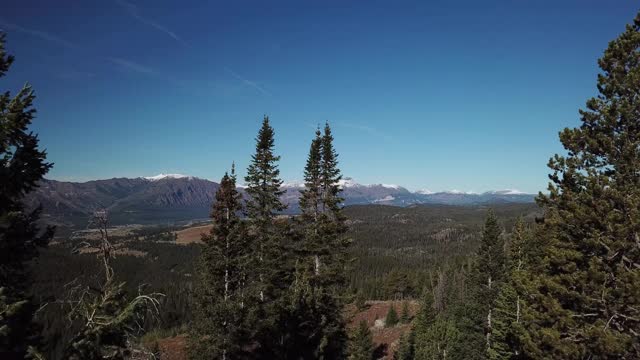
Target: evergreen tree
435, 335
439, 341
406, 347
22, 166
361, 344
585, 301
507, 321
475, 316
424, 319
321, 260
220, 328
391, 319
332, 202
405, 316
360, 301
272, 268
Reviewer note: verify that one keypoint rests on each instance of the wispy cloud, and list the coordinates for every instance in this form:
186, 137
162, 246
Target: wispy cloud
131, 66
247, 82
367, 129
134, 12
44, 35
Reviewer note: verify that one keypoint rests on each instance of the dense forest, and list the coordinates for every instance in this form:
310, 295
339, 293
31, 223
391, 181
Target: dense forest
556, 280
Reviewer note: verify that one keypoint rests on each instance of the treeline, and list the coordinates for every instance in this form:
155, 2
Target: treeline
398, 252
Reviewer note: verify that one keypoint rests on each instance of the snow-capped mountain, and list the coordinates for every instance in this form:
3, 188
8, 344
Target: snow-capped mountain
166, 176
170, 197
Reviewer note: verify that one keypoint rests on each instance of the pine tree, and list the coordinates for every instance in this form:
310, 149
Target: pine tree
272, 268
435, 335
476, 315
391, 319
360, 301
361, 344
507, 321
220, 328
321, 259
332, 202
22, 166
406, 347
311, 202
439, 341
585, 301
424, 319
405, 316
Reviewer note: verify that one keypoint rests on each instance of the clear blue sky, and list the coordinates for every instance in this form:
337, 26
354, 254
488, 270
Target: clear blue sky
466, 95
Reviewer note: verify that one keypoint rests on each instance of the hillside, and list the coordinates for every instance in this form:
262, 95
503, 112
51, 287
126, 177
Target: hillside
174, 198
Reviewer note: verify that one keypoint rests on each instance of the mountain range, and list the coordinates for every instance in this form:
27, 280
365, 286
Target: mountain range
175, 197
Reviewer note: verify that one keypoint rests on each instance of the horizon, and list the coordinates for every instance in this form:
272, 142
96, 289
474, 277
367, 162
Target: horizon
439, 96
300, 183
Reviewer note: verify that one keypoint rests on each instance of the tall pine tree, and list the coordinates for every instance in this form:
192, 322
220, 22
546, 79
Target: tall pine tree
475, 317
585, 302
272, 268
321, 262
361, 343
507, 317
221, 327
435, 334
22, 166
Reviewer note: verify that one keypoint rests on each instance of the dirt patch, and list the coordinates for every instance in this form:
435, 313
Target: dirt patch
174, 348
385, 339
192, 234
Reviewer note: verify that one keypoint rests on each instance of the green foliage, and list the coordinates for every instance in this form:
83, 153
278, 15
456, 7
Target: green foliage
405, 316
406, 347
360, 301
110, 321
272, 268
439, 340
585, 297
22, 166
474, 316
263, 179
507, 326
223, 302
318, 289
361, 343
391, 319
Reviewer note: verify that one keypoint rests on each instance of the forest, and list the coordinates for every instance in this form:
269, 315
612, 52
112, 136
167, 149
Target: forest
559, 279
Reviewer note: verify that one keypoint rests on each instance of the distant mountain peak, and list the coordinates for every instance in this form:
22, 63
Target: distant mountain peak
167, 176
424, 192
508, 192
460, 192
391, 186
293, 184
348, 182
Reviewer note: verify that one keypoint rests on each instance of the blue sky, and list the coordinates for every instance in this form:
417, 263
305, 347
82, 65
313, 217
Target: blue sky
466, 95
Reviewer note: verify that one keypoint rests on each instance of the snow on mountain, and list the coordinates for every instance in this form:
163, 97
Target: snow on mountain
167, 176
424, 192
293, 184
507, 192
390, 186
347, 182
384, 199
459, 192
